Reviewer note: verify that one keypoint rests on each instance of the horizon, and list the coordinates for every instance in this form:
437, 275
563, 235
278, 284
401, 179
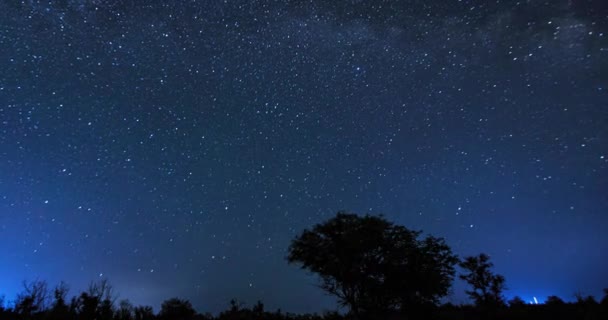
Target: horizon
528, 299
456, 296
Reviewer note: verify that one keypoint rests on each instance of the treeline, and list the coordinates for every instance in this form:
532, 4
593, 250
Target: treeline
374, 268
99, 302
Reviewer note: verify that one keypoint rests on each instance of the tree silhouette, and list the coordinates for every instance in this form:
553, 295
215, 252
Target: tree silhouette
87, 306
103, 291
487, 287
143, 313
604, 300
60, 310
236, 310
554, 301
176, 309
604, 303
125, 310
25, 307
96, 303
33, 299
373, 266
581, 299
517, 302
258, 309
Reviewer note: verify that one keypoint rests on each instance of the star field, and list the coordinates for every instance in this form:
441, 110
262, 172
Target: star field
176, 147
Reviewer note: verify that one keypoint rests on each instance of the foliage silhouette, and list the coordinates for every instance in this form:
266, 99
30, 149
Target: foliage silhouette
60, 309
124, 311
373, 266
33, 299
143, 313
554, 301
176, 309
487, 287
517, 302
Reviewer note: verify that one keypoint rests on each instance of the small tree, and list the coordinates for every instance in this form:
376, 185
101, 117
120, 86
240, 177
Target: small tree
487, 287
125, 310
97, 302
143, 313
87, 306
374, 266
604, 300
33, 299
176, 309
554, 301
258, 309
517, 302
59, 308
102, 290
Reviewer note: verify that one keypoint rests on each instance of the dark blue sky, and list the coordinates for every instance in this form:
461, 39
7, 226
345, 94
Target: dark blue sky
176, 147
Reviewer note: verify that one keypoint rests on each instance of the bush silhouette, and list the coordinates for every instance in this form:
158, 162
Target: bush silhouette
554, 301
176, 309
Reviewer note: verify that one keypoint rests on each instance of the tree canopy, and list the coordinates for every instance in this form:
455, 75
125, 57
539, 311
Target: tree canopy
374, 266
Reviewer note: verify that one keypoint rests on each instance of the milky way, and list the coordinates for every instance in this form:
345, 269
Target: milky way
176, 147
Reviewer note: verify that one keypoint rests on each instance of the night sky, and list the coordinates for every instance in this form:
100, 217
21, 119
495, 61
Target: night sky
176, 147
